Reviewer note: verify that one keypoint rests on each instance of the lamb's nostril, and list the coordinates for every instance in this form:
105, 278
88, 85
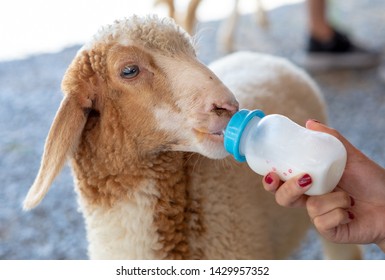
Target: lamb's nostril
219, 111
224, 109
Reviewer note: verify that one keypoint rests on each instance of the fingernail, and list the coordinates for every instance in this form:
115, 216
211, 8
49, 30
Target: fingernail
352, 202
317, 121
305, 181
268, 179
350, 215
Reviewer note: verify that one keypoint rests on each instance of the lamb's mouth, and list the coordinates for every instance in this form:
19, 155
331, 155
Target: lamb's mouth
216, 136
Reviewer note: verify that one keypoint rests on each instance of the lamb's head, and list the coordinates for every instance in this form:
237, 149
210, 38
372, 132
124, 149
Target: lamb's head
148, 69
143, 74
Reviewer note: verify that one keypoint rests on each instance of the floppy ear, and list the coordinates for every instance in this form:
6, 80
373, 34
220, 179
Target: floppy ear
67, 126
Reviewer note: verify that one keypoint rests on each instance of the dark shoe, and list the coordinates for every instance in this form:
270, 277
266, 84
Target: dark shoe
338, 53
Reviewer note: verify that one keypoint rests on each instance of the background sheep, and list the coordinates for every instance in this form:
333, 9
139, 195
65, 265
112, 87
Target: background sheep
226, 32
139, 111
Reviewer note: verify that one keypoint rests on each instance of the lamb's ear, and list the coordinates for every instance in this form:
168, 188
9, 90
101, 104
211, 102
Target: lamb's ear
66, 128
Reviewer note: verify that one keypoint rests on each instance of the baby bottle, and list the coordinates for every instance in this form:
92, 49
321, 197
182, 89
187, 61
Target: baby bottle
275, 143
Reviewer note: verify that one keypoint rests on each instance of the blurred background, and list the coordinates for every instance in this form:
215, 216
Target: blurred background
38, 26
40, 38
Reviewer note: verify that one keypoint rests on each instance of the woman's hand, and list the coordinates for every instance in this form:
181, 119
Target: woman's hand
354, 212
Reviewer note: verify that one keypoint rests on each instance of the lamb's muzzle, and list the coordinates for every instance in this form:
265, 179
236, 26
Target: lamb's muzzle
222, 114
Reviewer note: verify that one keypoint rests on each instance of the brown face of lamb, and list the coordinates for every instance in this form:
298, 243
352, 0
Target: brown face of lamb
169, 102
143, 74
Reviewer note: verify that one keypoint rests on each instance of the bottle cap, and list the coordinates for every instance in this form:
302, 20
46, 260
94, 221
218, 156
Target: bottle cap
235, 128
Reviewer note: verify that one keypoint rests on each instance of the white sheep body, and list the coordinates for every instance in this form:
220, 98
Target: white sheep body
140, 122
271, 84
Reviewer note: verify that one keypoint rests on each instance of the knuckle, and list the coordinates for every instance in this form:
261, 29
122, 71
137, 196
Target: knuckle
346, 199
340, 215
319, 224
313, 204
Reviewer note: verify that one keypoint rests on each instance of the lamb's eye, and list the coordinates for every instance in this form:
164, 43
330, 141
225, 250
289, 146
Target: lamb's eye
130, 71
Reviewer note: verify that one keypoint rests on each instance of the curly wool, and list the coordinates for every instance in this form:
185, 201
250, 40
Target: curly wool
152, 32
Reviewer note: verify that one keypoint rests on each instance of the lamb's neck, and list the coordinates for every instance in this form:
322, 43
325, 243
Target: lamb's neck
140, 213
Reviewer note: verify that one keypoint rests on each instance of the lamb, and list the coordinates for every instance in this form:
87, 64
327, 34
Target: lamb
141, 122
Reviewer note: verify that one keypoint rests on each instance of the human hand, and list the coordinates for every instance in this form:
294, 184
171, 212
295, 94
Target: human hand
354, 212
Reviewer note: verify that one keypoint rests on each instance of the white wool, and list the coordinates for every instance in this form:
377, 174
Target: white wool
271, 83
152, 32
125, 231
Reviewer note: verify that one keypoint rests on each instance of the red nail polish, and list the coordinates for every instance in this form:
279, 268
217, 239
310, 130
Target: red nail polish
305, 181
268, 179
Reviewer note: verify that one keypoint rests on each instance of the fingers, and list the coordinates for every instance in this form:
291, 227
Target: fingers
330, 211
322, 204
289, 193
317, 126
271, 182
328, 225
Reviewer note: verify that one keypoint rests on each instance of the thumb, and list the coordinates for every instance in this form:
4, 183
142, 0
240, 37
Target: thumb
317, 126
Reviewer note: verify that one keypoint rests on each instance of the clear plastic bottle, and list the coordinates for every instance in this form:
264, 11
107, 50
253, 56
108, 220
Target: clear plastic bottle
275, 143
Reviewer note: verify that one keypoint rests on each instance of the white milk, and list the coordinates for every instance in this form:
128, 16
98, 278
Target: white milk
274, 143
